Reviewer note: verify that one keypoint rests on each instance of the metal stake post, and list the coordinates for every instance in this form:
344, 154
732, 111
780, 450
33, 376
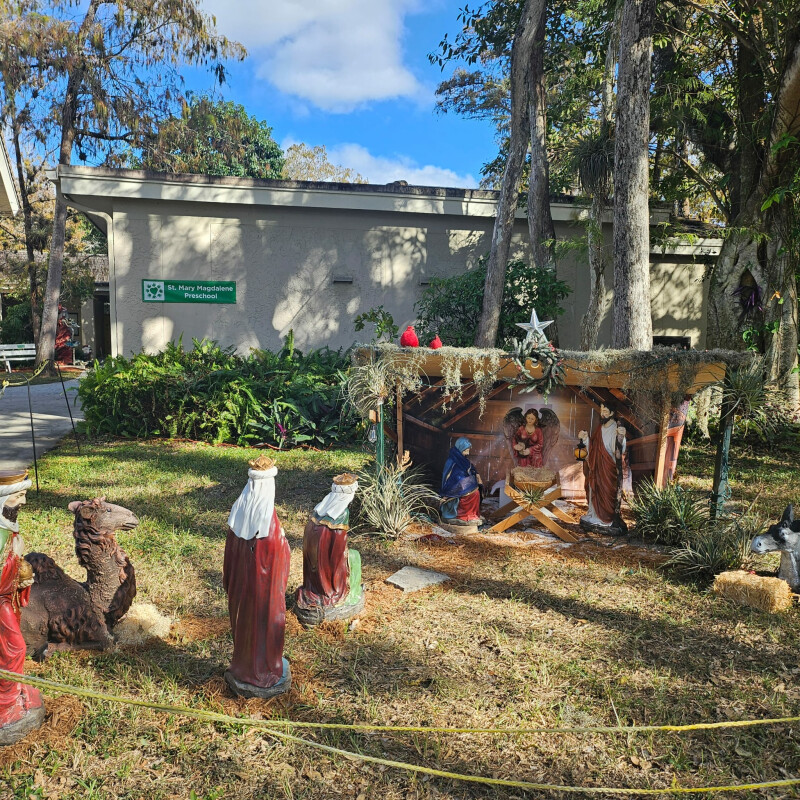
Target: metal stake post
720, 489
66, 400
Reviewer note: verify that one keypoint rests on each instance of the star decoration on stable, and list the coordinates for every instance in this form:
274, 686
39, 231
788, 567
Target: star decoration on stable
535, 329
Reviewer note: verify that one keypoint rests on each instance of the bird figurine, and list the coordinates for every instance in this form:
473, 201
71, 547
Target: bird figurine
409, 338
436, 343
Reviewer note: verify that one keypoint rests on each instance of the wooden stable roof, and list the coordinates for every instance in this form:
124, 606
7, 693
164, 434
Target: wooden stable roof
578, 371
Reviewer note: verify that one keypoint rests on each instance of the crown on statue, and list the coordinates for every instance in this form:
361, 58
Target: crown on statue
261, 463
11, 476
345, 479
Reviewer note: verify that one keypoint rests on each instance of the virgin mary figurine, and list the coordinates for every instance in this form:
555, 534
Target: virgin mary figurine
255, 573
461, 486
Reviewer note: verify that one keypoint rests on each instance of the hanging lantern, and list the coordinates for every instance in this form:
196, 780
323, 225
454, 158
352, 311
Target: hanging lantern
580, 451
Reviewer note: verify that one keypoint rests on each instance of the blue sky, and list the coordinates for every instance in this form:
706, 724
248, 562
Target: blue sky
353, 75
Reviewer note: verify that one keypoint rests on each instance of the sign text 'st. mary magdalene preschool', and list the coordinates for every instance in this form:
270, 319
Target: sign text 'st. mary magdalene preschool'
154, 291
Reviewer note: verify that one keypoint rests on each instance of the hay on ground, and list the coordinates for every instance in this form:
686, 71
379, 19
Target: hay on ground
747, 589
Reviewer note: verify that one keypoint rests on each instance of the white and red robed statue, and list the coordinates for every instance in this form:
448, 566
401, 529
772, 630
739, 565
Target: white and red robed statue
255, 574
21, 707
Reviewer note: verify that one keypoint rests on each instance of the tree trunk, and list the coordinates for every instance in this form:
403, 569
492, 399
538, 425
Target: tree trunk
47, 338
27, 221
633, 326
590, 322
521, 50
598, 258
541, 231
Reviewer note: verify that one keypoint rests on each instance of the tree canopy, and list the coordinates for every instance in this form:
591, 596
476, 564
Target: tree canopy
304, 163
214, 138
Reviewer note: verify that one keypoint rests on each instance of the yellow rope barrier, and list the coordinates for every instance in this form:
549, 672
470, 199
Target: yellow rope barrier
43, 683
213, 716
36, 374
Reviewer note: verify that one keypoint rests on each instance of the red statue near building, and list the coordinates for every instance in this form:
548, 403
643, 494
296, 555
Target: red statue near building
255, 574
21, 707
331, 571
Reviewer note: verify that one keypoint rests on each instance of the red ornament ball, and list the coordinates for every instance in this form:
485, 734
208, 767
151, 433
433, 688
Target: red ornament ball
409, 338
436, 343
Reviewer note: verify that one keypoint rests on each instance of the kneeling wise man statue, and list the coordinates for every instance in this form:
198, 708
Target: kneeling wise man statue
331, 571
255, 573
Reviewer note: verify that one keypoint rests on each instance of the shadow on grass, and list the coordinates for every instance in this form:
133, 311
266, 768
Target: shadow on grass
303, 479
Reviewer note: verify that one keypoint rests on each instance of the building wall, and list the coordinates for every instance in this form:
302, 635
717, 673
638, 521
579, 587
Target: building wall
285, 259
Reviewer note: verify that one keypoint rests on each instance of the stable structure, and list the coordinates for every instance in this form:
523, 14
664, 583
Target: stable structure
431, 420
244, 261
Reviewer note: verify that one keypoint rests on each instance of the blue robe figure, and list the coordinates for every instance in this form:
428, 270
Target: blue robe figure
461, 484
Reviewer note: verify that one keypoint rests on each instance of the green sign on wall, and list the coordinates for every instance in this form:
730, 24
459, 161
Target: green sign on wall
154, 291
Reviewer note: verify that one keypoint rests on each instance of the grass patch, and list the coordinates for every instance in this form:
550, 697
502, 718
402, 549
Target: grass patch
522, 635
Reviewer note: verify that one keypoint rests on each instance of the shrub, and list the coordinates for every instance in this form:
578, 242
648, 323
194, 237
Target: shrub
668, 515
211, 394
451, 307
17, 326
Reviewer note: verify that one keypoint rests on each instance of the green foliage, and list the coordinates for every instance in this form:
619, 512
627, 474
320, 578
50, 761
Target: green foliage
383, 322
668, 515
17, 325
389, 498
699, 546
215, 138
451, 307
715, 549
213, 395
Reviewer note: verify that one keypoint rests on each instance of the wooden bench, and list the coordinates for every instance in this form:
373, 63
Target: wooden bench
17, 352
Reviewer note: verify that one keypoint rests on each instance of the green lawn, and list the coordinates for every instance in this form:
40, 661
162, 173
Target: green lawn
522, 635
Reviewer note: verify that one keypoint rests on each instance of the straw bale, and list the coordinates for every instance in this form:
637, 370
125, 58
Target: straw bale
755, 591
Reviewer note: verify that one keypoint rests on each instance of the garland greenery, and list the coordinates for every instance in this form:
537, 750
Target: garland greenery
653, 379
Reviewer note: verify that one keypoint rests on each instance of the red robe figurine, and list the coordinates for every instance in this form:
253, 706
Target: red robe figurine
331, 571
21, 707
409, 337
254, 575
436, 343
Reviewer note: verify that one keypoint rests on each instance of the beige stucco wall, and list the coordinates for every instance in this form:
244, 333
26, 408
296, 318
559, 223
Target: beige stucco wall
285, 244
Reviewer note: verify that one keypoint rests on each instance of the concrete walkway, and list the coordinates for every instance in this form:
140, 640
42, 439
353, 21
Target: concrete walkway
50, 421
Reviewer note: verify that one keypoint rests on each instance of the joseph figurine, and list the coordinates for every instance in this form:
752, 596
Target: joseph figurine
606, 447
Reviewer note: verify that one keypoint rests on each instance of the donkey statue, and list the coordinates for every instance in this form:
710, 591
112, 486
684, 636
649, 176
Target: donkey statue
783, 536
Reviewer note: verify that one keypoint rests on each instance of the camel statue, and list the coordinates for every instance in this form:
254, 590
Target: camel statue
63, 614
783, 536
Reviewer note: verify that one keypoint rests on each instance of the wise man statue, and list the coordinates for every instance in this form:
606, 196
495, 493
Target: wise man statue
21, 707
254, 574
331, 571
601, 468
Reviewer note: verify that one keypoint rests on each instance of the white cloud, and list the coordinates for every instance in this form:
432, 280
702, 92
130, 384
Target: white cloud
382, 169
336, 54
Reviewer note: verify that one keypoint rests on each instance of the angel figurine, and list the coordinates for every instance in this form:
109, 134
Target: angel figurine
532, 436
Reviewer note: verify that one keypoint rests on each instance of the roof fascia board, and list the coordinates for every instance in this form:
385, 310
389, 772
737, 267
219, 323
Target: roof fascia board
127, 188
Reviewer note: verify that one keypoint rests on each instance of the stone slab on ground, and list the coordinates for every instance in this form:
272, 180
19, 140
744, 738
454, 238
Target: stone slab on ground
412, 579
